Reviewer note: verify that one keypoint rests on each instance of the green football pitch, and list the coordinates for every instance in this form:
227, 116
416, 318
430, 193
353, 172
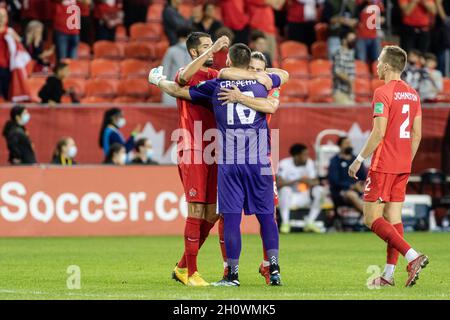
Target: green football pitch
328, 266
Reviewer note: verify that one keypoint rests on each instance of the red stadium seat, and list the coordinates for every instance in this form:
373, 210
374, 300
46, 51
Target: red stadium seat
103, 88
375, 83
186, 10
133, 68
145, 31
374, 68
84, 51
444, 96
35, 85
78, 68
127, 99
93, 99
140, 50
362, 69
319, 50
105, 69
321, 30
107, 50
296, 68
293, 49
161, 48
78, 85
320, 68
155, 94
295, 88
137, 88
154, 12
362, 90
320, 90
121, 34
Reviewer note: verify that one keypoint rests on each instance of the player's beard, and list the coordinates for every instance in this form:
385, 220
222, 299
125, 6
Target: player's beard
208, 63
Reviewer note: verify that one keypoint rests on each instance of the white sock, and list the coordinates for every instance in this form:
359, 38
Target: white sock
411, 255
388, 273
266, 263
225, 265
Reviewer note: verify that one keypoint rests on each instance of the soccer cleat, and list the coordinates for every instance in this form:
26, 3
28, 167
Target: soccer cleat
285, 228
414, 268
226, 283
275, 276
180, 274
196, 280
311, 227
264, 272
383, 282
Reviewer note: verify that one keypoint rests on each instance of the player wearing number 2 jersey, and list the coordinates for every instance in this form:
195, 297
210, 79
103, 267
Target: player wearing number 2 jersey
394, 140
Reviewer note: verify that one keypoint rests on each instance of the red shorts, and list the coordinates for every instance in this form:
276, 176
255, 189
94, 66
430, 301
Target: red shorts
199, 180
386, 187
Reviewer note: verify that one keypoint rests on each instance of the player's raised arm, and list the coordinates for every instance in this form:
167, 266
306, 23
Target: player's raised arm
234, 95
157, 78
194, 66
283, 74
416, 134
242, 74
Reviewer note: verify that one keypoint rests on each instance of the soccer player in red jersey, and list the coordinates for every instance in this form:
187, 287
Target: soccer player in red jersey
198, 178
394, 140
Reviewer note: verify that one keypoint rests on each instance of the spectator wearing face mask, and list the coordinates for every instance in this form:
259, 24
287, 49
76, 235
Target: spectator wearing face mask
344, 189
65, 152
432, 83
344, 70
116, 155
143, 152
19, 144
414, 72
110, 134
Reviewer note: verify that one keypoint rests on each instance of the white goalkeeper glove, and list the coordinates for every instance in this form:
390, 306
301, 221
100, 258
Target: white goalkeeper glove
156, 75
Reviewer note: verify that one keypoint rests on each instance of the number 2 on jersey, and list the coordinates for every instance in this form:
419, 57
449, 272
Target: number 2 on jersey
403, 133
240, 110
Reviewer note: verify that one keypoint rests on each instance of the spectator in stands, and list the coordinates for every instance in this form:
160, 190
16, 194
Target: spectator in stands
85, 21
445, 154
235, 17
117, 155
5, 74
414, 72
209, 24
344, 189
66, 32
110, 134
108, 15
53, 89
220, 58
173, 21
298, 186
415, 33
259, 43
65, 152
262, 18
344, 70
443, 36
368, 46
144, 152
135, 11
34, 43
432, 83
175, 58
339, 16
17, 139
302, 15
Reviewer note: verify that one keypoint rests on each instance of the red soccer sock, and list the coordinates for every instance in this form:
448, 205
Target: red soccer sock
191, 243
387, 232
222, 240
392, 253
205, 228
182, 262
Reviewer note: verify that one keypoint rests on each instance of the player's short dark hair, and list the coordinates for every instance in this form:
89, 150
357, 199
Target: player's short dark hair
140, 143
193, 39
183, 32
396, 57
430, 56
240, 55
257, 34
341, 140
259, 56
297, 149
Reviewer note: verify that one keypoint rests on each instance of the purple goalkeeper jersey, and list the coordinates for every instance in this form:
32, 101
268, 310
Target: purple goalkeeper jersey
244, 170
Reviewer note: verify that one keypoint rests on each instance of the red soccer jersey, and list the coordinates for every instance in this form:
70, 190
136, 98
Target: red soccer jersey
63, 15
261, 16
190, 112
367, 20
419, 16
400, 104
234, 15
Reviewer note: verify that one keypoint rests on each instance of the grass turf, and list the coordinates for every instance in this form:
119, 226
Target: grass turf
330, 266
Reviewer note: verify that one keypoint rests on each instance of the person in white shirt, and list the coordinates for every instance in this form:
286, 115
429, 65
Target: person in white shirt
298, 186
